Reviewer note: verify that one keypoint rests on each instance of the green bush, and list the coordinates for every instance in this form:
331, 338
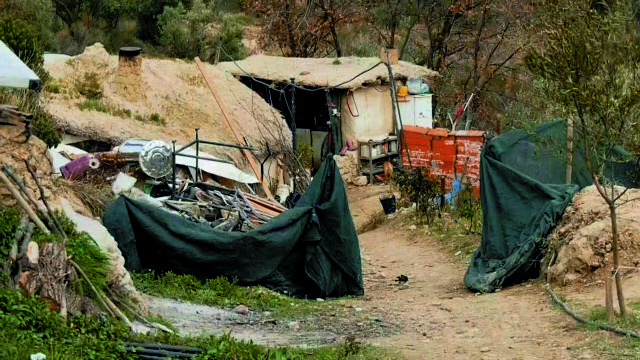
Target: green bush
26, 42
423, 189
45, 130
32, 328
230, 39
148, 15
184, 33
467, 206
90, 86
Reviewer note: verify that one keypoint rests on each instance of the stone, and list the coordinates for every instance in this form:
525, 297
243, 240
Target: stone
360, 181
242, 310
123, 183
32, 255
485, 349
119, 279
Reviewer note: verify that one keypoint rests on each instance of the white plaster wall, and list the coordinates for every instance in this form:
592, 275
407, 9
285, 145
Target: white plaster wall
376, 118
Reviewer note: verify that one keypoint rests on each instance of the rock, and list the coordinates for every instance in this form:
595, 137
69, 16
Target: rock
242, 310
413, 227
123, 183
38, 356
119, 279
485, 349
360, 181
32, 255
319, 299
140, 328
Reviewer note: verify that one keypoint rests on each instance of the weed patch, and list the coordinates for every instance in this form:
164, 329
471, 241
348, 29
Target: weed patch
154, 118
94, 105
89, 86
222, 293
32, 328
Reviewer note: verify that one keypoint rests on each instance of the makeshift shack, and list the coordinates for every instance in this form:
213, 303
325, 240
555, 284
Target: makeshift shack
524, 192
310, 250
104, 100
348, 97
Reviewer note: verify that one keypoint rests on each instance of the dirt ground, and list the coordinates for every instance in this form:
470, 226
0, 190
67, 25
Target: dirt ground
432, 316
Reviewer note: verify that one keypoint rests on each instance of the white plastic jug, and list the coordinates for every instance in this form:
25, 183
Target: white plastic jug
415, 85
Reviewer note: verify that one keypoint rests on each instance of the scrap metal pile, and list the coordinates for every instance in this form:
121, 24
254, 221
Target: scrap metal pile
180, 184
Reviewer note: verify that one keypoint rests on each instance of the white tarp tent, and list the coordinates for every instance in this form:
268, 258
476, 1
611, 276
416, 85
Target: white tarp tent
14, 73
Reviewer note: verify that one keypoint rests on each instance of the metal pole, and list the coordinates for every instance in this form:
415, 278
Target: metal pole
402, 143
197, 152
293, 124
173, 163
293, 114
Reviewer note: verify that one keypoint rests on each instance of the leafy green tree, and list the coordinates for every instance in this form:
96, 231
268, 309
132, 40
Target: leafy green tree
230, 38
147, 14
588, 63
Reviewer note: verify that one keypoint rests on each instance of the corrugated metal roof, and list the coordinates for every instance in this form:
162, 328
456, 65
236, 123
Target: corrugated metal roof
14, 73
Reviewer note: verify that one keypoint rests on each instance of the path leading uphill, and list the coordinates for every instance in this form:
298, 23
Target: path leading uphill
440, 319
432, 316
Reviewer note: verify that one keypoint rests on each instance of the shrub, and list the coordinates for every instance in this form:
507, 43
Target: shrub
28, 101
174, 33
230, 39
467, 206
25, 41
148, 17
90, 86
422, 188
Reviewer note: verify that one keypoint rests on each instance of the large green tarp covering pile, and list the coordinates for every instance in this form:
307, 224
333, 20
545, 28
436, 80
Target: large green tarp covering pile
523, 194
311, 250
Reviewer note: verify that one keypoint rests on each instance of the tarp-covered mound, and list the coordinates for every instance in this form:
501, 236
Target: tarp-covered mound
311, 250
523, 195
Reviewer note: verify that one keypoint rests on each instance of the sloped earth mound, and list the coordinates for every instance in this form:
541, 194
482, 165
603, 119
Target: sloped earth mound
580, 248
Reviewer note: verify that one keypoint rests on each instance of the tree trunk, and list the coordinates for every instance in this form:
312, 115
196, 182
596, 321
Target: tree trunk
608, 298
616, 257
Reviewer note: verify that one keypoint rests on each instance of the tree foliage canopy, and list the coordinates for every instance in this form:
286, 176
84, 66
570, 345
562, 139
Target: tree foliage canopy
589, 68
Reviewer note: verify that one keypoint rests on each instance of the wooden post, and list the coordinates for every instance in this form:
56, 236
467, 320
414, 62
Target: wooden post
569, 150
247, 154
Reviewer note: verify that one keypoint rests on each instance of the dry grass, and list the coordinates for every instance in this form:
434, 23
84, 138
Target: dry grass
374, 222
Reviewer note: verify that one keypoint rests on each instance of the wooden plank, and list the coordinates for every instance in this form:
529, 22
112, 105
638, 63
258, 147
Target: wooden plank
247, 154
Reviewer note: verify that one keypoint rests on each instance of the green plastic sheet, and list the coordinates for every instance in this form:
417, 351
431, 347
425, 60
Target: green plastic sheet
310, 251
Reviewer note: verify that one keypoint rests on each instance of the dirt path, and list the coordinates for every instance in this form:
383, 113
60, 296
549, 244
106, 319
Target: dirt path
440, 319
433, 316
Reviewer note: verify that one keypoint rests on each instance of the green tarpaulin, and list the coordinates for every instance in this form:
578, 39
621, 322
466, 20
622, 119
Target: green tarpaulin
523, 194
311, 250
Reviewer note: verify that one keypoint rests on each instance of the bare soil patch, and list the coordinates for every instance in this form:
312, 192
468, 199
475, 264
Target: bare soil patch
580, 247
432, 316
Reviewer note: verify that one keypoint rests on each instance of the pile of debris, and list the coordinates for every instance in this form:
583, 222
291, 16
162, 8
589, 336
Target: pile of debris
189, 185
580, 247
29, 183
